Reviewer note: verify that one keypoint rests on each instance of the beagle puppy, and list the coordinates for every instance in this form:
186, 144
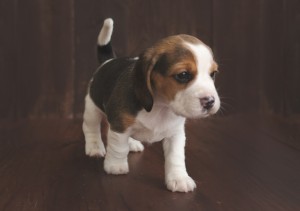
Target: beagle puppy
147, 99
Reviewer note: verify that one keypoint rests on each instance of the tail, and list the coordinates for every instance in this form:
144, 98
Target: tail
104, 48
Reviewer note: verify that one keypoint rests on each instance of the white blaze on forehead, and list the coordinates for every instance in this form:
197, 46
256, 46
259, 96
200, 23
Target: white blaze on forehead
203, 85
203, 57
187, 101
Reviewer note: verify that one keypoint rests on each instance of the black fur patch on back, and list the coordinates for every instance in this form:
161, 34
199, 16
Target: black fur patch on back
112, 90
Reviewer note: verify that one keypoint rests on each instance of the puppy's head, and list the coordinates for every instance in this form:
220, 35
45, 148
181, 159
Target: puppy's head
178, 71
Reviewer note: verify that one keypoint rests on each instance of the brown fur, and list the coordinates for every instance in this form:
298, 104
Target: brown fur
214, 67
153, 74
159, 64
166, 86
127, 120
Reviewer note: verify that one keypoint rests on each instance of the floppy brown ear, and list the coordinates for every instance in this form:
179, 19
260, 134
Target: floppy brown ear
142, 80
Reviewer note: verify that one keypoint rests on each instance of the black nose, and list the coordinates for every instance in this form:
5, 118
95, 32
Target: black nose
207, 102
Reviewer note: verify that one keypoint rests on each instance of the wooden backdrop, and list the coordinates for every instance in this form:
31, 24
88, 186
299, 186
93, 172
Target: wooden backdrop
47, 49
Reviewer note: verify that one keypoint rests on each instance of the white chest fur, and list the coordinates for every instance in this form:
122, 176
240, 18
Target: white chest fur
156, 125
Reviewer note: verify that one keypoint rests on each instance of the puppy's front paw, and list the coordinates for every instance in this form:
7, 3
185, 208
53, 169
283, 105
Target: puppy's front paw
116, 167
94, 149
180, 183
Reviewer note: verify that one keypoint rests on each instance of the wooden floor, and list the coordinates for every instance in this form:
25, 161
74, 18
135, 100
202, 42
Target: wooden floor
241, 162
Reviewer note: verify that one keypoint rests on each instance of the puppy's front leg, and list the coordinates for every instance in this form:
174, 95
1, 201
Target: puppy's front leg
117, 151
177, 178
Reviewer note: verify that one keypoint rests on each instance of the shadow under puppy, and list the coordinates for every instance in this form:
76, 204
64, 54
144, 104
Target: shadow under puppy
148, 99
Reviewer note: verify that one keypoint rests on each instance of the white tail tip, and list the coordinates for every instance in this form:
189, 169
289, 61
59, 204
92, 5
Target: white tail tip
106, 32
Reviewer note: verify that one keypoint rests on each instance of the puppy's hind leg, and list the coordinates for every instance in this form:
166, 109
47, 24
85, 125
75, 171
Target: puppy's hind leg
135, 145
92, 117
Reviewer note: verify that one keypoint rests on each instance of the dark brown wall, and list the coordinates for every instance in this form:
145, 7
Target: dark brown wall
47, 49
37, 58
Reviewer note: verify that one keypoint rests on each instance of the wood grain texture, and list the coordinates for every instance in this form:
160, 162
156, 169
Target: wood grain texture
37, 73
8, 63
236, 44
47, 49
137, 25
241, 162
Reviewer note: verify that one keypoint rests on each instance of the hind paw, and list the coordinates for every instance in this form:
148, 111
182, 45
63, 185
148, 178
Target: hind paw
135, 146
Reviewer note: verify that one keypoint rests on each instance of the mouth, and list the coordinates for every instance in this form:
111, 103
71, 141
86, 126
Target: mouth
205, 113
208, 112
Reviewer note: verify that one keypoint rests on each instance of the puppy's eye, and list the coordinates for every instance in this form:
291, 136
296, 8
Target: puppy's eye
183, 77
213, 74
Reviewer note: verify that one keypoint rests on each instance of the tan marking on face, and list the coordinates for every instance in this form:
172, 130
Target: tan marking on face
214, 67
169, 44
166, 86
191, 39
179, 58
